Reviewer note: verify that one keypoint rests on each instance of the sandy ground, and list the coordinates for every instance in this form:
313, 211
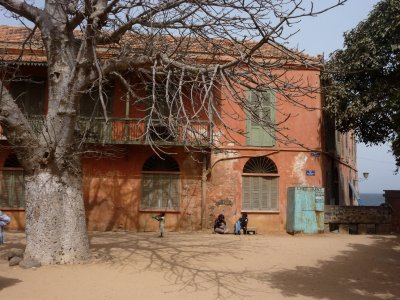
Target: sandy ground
207, 266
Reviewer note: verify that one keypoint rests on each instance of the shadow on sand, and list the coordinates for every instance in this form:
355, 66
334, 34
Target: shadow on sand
193, 263
364, 272
7, 282
182, 258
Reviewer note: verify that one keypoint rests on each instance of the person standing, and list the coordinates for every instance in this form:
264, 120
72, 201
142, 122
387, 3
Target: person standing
161, 218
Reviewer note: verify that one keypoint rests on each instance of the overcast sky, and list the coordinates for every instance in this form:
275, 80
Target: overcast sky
323, 35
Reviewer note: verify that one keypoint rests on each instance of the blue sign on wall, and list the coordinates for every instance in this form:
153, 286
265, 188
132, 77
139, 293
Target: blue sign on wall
310, 172
315, 154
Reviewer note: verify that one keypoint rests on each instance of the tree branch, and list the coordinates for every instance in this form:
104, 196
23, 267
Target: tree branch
30, 12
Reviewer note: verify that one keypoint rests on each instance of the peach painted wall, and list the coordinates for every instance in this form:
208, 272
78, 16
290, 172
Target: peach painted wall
112, 193
225, 185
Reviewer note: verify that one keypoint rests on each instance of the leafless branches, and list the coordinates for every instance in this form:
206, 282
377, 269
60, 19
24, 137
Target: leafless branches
175, 61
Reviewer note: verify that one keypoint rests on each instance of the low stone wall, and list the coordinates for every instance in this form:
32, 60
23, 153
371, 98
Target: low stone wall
358, 219
392, 198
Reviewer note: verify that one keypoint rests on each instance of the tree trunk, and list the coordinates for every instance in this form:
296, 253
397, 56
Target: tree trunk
55, 218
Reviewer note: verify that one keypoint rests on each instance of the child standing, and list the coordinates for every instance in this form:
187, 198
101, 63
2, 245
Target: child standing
161, 218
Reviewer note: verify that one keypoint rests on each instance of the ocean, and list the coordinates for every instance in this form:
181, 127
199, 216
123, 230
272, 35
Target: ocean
371, 199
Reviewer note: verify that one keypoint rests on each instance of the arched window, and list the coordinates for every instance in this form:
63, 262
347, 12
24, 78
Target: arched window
12, 194
260, 185
160, 183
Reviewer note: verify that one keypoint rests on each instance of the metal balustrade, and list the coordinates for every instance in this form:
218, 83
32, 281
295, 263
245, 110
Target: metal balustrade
133, 131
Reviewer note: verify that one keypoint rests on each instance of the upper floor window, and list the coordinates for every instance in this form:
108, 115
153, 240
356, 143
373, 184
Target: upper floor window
161, 106
90, 103
261, 114
29, 94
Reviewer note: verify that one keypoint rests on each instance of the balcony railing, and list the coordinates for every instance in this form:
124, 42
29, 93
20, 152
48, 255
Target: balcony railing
135, 131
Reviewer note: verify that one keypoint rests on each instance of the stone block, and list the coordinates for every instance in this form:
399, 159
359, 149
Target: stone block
29, 263
344, 228
14, 261
371, 228
15, 252
383, 228
362, 228
353, 228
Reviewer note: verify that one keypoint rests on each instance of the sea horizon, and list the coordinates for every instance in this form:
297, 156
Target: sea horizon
371, 199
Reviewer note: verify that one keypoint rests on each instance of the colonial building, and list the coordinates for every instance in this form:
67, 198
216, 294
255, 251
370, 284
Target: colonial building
246, 170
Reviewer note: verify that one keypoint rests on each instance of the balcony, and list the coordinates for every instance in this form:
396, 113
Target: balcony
133, 131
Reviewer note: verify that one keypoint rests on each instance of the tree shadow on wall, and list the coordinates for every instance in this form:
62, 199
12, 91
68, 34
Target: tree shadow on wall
183, 259
110, 203
364, 272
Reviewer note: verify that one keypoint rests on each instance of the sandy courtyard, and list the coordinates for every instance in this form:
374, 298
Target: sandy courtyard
207, 266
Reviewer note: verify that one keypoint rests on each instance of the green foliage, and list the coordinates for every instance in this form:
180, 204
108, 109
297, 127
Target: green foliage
362, 81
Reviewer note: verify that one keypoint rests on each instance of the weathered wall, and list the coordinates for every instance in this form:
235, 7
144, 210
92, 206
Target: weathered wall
224, 194
357, 214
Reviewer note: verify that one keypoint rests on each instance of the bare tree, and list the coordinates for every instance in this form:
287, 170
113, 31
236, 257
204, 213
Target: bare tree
180, 57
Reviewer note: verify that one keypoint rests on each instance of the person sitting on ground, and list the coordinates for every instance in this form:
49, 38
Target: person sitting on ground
241, 224
220, 225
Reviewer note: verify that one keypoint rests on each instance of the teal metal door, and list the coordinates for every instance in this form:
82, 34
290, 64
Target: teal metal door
304, 210
309, 221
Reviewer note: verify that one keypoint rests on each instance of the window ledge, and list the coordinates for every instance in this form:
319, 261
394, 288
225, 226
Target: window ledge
261, 211
155, 210
12, 209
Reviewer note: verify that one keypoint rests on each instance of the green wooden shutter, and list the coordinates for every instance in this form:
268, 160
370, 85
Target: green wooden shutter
260, 193
160, 191
274, 194
246, 192
266, 196
174, 191
146, 191
12, 192
263, 107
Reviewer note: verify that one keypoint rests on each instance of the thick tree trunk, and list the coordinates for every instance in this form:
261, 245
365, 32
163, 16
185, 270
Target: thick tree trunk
55, 218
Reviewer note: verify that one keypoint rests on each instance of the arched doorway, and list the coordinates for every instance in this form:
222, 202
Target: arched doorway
160, 183
260, 182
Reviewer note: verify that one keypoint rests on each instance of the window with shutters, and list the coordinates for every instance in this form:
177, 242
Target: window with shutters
260, 116
12, 194
260, 185
29, 94
160, 183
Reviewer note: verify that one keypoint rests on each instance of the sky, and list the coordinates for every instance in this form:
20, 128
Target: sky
322, 35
